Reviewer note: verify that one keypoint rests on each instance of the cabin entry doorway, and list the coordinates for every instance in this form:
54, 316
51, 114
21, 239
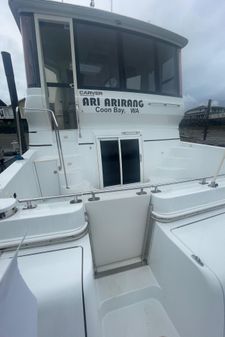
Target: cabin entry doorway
58, 74
120, 161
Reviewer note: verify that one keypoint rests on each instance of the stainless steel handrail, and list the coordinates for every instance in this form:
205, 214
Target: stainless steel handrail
78, 194
111, 190
58, 140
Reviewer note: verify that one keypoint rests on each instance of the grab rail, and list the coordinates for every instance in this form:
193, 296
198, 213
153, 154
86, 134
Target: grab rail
58, 140
141, 187
79, 194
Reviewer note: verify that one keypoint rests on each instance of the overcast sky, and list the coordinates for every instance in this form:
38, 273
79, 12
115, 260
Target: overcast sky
201, 21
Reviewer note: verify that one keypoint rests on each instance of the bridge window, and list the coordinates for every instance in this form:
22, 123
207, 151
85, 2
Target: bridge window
98, 65
168, 74
114, 59
139, 62
30, 50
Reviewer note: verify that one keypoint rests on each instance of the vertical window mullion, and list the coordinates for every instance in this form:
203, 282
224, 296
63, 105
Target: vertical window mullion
178, 71
121, 61
76, 51
121, 163
157, 70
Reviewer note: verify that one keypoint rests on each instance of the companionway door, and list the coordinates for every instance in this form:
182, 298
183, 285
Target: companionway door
120, 161
55, 39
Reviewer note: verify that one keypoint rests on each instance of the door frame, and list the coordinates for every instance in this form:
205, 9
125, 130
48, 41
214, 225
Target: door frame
56, 19
99, 157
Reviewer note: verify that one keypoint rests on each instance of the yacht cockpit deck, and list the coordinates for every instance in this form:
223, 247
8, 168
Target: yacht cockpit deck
110, 226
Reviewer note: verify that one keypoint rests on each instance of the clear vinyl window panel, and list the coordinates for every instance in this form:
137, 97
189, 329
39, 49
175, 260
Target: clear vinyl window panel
120, 161
150, 66
58, 70
110, 58
97, 61
139, 63
30, 50
168, 79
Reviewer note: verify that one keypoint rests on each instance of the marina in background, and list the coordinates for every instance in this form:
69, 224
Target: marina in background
9, 146
204, 125
110, 226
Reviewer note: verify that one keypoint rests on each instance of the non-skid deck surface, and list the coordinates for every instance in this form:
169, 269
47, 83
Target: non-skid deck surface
131, 305
143, 319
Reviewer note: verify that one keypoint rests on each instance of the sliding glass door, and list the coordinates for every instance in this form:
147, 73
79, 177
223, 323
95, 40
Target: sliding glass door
120, 160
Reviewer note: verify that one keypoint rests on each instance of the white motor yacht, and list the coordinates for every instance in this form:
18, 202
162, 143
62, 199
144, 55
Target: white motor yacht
110, 226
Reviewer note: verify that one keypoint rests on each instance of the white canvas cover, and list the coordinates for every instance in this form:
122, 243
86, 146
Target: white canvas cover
18, 306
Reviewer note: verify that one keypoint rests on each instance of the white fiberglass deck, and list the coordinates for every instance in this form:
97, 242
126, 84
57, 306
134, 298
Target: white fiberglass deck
131, 305
145, 319
110, 131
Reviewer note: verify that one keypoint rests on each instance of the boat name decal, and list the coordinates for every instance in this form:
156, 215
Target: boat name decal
115, 105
